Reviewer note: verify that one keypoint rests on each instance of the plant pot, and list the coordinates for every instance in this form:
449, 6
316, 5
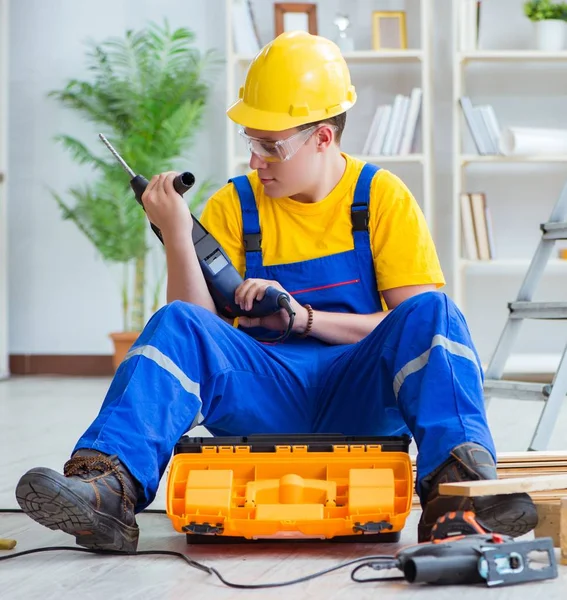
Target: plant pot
123, 341
550, 35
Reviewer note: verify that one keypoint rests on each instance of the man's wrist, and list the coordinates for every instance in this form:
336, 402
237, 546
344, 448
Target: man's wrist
306, 322
178, 236
301, 319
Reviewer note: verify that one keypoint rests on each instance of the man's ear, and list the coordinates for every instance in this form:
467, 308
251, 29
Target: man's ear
325, 136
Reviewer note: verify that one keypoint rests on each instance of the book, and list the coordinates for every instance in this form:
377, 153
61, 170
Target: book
397, 108
467, 227
408, 134
493, 126
400, 125
378, 142
373, 129
478, 206
477, 126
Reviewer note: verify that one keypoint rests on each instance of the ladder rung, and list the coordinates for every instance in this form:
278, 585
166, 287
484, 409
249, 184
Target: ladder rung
538, 310
554, 231
518, 390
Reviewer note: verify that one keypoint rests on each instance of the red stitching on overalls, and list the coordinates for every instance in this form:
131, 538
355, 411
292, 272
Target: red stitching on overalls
326, 287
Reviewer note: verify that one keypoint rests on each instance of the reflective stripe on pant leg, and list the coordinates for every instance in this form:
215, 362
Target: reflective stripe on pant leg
167, 364
413, 366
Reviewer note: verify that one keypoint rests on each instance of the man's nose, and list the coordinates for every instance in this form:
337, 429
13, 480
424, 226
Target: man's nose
256, 162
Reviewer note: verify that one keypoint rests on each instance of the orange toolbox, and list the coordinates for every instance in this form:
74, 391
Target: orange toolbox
323, 486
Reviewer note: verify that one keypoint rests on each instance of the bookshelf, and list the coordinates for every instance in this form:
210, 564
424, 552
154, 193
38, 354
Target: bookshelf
367, 67
463, 160
3, 210
476, 72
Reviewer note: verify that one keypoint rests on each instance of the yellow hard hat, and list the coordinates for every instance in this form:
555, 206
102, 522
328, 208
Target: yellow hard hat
296, 78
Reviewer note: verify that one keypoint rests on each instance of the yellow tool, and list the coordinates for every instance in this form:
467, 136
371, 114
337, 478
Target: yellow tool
7, 544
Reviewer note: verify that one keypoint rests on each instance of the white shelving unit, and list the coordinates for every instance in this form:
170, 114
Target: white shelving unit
3, 211
461, 266
238, 163
468, 275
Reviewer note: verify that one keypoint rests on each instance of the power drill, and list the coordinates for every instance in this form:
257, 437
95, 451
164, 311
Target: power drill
462, 550
219, 272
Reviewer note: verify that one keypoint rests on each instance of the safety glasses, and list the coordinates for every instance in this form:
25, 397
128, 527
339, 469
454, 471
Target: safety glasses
278, 150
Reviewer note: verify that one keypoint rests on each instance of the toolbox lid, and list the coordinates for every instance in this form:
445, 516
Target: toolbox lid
315, 442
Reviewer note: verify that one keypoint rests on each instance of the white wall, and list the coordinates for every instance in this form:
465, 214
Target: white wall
3, 208
64, 300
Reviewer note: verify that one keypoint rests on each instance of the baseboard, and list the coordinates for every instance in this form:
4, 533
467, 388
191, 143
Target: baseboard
85, 365
91, 365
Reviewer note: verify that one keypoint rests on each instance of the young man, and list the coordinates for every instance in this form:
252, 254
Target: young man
375, 349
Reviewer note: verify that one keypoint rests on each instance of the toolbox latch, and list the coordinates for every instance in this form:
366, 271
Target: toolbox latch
204, 528
372, 527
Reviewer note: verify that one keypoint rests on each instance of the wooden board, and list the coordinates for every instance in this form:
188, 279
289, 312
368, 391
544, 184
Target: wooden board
552, 522
504, 486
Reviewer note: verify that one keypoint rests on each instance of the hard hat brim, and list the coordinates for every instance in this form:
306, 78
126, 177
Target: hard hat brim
246, 116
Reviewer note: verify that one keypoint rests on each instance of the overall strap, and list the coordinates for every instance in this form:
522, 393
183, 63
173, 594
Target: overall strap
250, 221
359, 209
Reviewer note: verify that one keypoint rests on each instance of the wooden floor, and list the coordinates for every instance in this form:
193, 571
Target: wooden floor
41, 419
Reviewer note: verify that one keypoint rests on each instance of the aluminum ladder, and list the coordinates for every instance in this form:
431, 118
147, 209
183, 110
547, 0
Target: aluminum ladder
523, 308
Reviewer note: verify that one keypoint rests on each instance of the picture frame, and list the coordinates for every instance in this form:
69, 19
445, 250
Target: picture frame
389, 30
295, 16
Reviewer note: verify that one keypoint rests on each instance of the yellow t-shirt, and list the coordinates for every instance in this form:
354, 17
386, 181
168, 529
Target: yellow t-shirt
292, 231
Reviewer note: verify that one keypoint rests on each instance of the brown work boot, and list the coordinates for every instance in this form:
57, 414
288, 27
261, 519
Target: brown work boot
509, 514
94, 500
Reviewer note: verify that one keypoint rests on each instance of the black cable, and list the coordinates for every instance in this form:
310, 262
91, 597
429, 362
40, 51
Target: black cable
377, 566
373, 560
286, 305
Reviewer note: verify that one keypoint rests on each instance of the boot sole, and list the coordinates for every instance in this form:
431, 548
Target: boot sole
509, 514
52, 505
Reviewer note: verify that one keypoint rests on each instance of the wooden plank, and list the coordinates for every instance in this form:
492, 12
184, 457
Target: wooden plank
552, 522
548, 521
489, 487
563, 531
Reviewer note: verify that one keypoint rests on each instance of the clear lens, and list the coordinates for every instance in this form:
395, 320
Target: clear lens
278, 150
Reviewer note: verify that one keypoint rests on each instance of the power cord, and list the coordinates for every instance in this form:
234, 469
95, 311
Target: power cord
286, 305
377, 562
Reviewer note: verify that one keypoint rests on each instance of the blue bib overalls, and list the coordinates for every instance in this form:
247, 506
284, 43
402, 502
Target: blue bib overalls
417, 372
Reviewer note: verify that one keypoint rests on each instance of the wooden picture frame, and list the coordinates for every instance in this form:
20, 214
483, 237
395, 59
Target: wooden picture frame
389, 30
295, 16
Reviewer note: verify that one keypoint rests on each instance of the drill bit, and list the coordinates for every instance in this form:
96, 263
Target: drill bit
117, 156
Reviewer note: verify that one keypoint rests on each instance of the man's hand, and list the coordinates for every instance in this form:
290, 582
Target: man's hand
254, 289
165, 208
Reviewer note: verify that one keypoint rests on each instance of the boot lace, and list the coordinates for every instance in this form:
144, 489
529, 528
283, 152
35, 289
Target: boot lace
84, 465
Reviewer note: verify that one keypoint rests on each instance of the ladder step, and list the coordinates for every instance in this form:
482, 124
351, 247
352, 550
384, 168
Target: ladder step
538, 310
554, 231
518, 390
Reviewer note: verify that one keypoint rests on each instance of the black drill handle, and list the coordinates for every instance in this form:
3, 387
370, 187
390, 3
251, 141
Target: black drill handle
182, 183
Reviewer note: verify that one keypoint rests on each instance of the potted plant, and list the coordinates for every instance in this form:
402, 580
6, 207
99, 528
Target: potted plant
147, 94
549, 21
